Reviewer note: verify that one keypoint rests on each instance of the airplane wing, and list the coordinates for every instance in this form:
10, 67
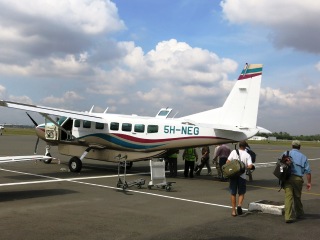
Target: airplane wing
9, 159
88, 116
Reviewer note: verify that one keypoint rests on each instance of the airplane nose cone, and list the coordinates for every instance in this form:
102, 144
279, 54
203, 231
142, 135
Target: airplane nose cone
40, 131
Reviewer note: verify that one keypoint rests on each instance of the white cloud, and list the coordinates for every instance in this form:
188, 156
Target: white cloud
177, 60
68, 97
22, 99
293, 112
293, 23
300, 100
44, 28
88, 16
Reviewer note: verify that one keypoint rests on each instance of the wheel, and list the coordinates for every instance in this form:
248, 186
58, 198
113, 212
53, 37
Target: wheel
75, 164
149, 187
168, 188
47, 161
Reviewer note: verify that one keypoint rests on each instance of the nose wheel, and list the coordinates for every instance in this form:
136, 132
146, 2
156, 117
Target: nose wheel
47, 161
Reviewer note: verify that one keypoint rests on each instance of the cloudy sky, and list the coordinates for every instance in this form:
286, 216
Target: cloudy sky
138, 56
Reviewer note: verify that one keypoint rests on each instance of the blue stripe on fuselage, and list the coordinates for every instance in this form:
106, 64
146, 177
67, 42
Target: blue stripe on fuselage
120, 142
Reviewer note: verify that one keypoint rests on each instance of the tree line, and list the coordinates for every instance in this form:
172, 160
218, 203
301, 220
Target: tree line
287, 136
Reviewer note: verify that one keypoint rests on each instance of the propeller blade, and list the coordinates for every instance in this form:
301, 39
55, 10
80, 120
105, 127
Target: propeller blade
36, 147
34, 122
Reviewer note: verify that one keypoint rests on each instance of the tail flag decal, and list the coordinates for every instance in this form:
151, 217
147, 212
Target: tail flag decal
251, 70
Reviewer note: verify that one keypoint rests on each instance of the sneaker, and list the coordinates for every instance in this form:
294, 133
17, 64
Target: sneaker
289, 221
239, 210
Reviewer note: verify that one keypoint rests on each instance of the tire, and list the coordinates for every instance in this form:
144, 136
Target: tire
47, 161
75, 164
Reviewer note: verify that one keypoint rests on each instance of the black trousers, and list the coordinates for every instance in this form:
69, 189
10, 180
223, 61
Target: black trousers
222, 161
188, 168
173, 166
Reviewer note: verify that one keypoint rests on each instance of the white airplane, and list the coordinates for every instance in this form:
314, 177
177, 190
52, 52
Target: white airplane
117, 138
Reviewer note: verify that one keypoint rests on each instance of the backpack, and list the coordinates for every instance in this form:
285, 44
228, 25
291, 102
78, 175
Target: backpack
252, 154
283, 170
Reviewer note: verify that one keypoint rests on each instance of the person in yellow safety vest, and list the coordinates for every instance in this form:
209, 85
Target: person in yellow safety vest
190, 156
173, 162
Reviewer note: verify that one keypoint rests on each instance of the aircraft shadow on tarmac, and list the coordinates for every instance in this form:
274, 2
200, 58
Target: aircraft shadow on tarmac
29, 194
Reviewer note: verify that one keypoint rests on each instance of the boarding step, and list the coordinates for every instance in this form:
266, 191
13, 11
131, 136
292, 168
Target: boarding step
266, 206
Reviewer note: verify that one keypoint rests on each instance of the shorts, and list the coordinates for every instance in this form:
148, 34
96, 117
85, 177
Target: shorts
238, 185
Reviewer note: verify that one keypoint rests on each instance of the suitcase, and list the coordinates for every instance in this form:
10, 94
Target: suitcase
233, 168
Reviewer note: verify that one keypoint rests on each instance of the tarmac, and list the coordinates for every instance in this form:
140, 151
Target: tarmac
46, 201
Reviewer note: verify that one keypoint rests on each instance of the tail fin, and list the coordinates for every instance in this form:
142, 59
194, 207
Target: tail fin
241, 107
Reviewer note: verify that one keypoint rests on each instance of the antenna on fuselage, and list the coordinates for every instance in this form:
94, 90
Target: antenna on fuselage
91, 109
175, 114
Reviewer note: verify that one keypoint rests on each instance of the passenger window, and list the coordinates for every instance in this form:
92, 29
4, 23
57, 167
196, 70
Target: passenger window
86, 124
152, 128
77, 123
99, 125
139, 128
126, 127
114, 126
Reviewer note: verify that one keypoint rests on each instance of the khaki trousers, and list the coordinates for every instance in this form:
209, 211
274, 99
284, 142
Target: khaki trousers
293, 191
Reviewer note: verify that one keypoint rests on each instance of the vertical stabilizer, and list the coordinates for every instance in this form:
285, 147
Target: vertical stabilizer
241, 107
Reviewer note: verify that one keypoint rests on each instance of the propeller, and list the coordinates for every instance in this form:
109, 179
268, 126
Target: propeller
35, 124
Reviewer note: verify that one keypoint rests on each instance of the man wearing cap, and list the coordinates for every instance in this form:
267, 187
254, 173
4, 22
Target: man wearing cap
293, 186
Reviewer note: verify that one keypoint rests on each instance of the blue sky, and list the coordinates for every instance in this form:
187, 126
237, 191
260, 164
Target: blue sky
137, 56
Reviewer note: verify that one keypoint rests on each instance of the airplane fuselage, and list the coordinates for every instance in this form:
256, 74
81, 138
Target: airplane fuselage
142, 137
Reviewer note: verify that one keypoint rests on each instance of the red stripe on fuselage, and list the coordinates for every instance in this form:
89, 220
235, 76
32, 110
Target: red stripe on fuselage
153, 141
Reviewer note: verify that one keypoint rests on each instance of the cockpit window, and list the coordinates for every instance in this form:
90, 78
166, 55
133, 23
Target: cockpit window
61, 120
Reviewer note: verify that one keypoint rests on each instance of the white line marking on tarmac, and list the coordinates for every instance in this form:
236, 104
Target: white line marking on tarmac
76, 180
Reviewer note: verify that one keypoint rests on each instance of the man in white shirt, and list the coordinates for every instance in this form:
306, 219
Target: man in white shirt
238, 184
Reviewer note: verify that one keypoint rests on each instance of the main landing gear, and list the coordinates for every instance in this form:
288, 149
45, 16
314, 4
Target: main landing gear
75, 163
